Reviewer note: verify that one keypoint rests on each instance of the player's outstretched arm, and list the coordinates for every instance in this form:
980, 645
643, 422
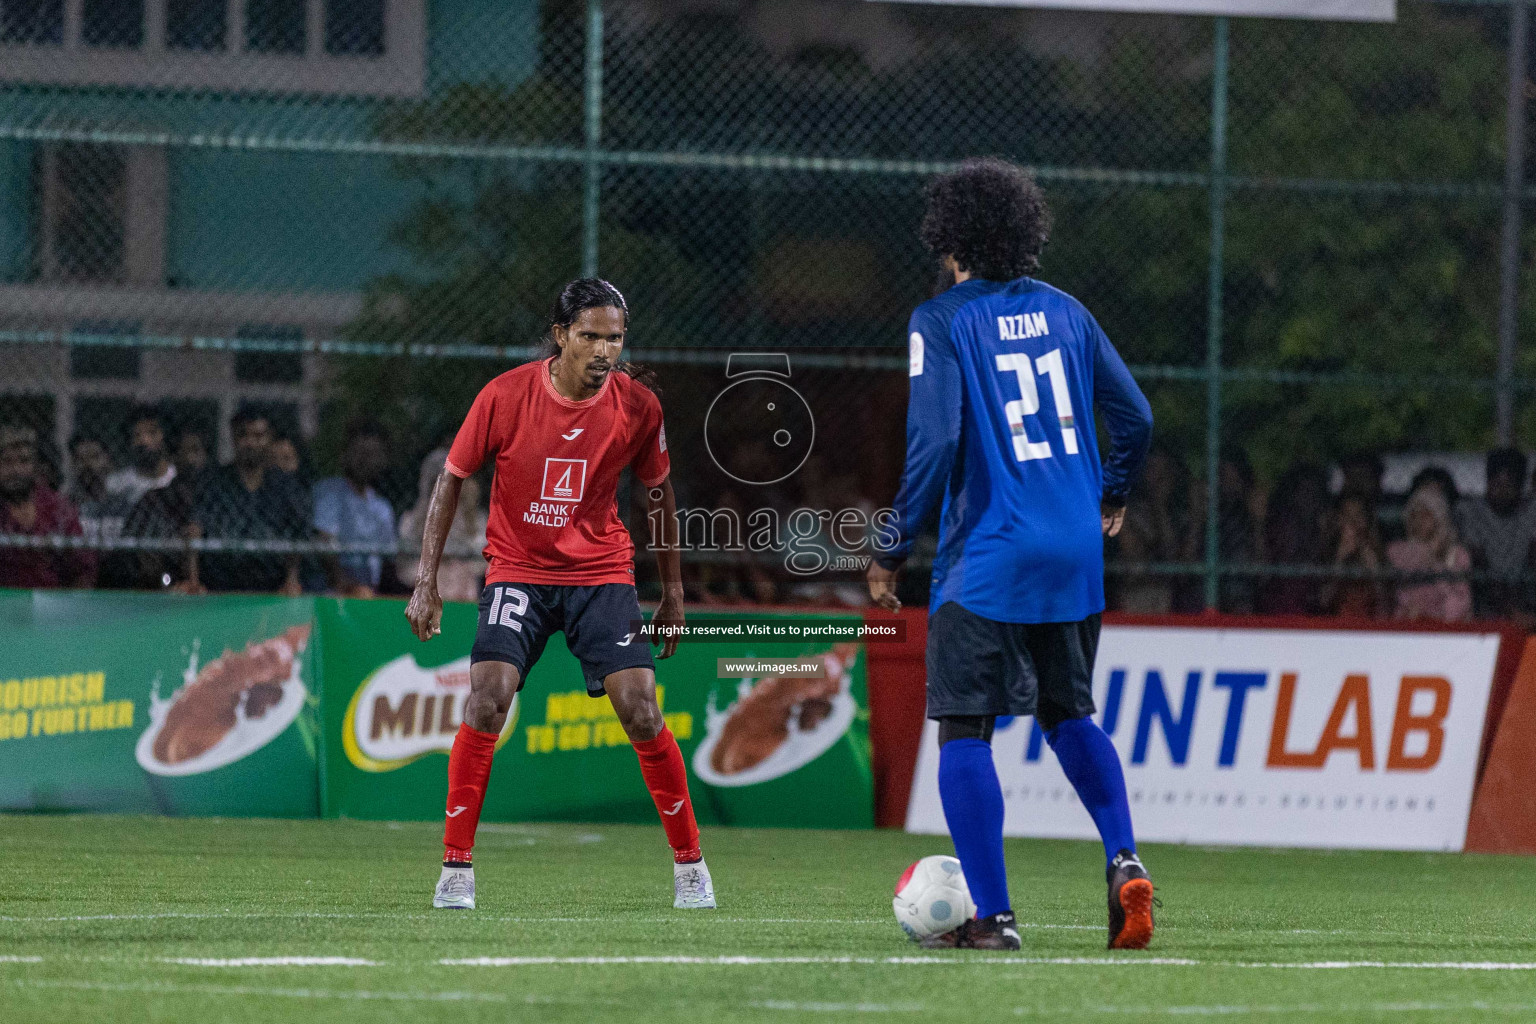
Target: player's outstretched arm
661, 514
425, 609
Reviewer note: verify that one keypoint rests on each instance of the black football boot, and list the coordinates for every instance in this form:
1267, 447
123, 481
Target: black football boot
1130, 902
996, 932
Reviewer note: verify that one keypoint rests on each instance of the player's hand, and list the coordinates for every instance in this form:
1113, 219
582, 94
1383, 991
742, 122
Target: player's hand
667, 624
425, 611
882, 586
1113, 517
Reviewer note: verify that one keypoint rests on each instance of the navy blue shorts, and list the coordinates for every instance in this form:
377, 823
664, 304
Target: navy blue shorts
517, 620
980, 667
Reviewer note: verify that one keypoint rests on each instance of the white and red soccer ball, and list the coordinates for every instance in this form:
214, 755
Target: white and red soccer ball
932, 898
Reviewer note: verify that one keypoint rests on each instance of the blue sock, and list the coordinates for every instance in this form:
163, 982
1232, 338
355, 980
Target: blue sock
1089, 760
973, 807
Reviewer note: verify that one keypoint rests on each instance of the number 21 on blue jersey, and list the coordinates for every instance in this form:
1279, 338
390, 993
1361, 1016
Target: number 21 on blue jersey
1028, 403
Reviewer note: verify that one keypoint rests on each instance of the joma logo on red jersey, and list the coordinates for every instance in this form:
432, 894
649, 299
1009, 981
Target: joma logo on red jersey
564, 479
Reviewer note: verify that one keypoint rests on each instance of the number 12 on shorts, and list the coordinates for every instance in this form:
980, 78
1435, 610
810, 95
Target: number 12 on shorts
1028, 403
507, 604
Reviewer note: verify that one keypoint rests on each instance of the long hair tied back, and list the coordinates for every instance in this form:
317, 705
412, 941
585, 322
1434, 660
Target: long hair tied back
594, 293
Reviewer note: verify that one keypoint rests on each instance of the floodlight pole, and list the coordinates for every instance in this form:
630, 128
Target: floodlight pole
1509, 243
1213, 327
593, 124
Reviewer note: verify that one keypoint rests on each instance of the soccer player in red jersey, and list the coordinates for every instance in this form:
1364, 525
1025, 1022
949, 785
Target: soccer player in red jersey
560, 431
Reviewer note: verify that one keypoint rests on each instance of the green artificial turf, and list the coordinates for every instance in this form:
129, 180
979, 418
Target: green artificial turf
103, 903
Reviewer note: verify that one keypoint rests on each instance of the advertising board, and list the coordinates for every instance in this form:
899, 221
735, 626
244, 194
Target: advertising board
1283, 737
158, 703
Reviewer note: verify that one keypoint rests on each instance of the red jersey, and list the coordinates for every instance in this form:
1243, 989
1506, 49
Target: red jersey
553, 515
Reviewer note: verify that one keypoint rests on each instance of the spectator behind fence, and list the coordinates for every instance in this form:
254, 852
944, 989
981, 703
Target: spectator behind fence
291, 455
248, 500
1361, 472
1441, 480
460, 575
1431, 546
167, 513
349, 510
29, 506
1356, 541
148, 467
189, 450
1497, 530
1296, 534
1239, 515
1158, 528
101, 511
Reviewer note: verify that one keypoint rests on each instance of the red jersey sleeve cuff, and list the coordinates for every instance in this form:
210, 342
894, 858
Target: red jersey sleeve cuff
657, 482
455, 470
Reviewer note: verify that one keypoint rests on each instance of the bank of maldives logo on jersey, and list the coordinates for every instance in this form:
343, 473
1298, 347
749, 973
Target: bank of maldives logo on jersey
564, 479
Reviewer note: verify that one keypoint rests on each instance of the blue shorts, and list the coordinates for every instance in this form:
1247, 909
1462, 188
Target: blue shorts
978, 667
517, 620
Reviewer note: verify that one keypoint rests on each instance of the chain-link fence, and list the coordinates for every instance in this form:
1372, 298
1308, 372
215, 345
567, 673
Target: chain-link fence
238, 240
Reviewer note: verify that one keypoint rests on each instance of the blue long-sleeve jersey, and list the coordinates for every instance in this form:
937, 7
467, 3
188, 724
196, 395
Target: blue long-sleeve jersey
1004, 379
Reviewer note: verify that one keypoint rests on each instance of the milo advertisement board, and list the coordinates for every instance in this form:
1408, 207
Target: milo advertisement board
158, 703
757, 740
235, 705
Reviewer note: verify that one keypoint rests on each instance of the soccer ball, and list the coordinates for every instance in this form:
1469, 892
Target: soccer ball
932, 898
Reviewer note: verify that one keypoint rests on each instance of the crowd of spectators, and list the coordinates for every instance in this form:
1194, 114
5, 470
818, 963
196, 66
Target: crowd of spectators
1307, 548
1315, 543
171, 492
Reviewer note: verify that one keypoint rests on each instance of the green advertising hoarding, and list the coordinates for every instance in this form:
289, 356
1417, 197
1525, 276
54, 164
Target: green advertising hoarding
299, 707
393, 704
158, 703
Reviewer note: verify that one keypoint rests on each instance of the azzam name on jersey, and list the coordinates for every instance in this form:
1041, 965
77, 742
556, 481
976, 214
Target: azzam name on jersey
1021, 326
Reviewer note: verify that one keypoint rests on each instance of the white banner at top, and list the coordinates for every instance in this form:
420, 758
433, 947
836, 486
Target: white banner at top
1321, 10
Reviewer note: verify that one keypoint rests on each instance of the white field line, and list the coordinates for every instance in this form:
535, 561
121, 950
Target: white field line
1212, 1010
1284, 1009
756, 961
270, 961
167, 988
881, 922
1002, 961
500, 919
775, 1004
759, 961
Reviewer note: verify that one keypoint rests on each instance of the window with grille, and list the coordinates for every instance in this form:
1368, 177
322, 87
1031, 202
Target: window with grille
82, 213
32, 21
342, 47
114, 23
354, 28
196, 24
275, 26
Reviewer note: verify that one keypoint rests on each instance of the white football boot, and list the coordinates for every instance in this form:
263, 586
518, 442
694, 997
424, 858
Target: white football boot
695, 889
455, 889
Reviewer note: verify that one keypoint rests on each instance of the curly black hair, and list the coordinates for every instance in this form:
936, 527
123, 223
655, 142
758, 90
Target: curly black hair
990, 216
593, 293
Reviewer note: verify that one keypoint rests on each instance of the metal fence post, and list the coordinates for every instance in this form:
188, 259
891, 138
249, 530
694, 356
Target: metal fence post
593, 123
1218, 198
1509, 242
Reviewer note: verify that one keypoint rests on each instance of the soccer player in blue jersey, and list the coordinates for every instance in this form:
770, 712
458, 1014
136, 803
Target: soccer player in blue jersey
1005, 374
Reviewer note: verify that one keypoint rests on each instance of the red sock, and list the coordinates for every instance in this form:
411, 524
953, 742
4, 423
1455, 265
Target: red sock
661, 763
469, 766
